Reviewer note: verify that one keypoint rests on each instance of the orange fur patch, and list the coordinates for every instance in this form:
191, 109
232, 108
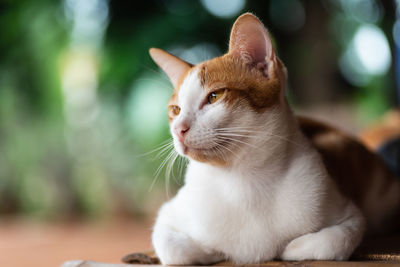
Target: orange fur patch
232, 73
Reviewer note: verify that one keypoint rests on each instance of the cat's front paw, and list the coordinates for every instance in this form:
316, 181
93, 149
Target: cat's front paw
176, 248
317, 246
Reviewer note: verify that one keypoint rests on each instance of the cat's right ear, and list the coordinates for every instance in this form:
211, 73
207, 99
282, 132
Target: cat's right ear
174, 67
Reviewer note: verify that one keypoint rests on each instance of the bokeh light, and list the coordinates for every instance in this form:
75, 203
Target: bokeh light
372, 48
224, 8
367, 55
89, 19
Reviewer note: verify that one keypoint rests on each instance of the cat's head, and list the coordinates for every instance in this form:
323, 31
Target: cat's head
218, 104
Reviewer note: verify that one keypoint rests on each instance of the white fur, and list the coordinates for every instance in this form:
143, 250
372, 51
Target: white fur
275, 200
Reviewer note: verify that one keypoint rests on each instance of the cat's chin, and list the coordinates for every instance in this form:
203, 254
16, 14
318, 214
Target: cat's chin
195, 151
205, 155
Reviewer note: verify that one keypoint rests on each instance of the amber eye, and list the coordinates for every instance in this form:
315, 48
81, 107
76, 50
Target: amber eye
214, 96
174, 110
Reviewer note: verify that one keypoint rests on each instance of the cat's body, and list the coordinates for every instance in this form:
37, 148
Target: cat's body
360, 175
256, 187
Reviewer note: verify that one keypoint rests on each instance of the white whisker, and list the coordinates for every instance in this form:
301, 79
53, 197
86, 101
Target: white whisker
219, 151
169, 171
161, 147
158, 171
227, 138
242, 132
164, 150
220, 147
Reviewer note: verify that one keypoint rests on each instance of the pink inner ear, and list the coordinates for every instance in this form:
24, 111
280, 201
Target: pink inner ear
250, 41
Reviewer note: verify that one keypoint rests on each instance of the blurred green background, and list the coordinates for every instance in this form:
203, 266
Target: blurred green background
82, 104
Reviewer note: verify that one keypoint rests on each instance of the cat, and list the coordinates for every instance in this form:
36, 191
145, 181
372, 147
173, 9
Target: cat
261, 183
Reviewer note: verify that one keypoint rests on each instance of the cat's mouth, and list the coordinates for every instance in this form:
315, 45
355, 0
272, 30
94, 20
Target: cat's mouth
189, 147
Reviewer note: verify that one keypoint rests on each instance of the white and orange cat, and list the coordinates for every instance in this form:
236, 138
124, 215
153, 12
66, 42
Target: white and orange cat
262, 183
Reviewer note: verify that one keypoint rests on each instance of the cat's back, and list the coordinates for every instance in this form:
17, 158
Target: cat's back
360, 174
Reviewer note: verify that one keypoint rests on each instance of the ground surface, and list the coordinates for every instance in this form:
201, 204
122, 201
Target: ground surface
25, 243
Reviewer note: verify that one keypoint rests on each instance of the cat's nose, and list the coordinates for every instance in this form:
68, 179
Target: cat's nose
181, 130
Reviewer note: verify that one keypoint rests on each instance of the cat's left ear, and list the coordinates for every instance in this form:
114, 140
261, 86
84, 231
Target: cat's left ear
250, 41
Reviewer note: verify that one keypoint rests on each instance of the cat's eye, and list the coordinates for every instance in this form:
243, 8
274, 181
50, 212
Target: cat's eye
214, 96
174, 110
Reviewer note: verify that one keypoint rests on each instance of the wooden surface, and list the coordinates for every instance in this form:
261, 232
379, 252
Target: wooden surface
383, 251
268, 264
81, 263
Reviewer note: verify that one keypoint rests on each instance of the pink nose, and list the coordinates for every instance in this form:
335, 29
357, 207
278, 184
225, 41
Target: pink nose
181, 130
